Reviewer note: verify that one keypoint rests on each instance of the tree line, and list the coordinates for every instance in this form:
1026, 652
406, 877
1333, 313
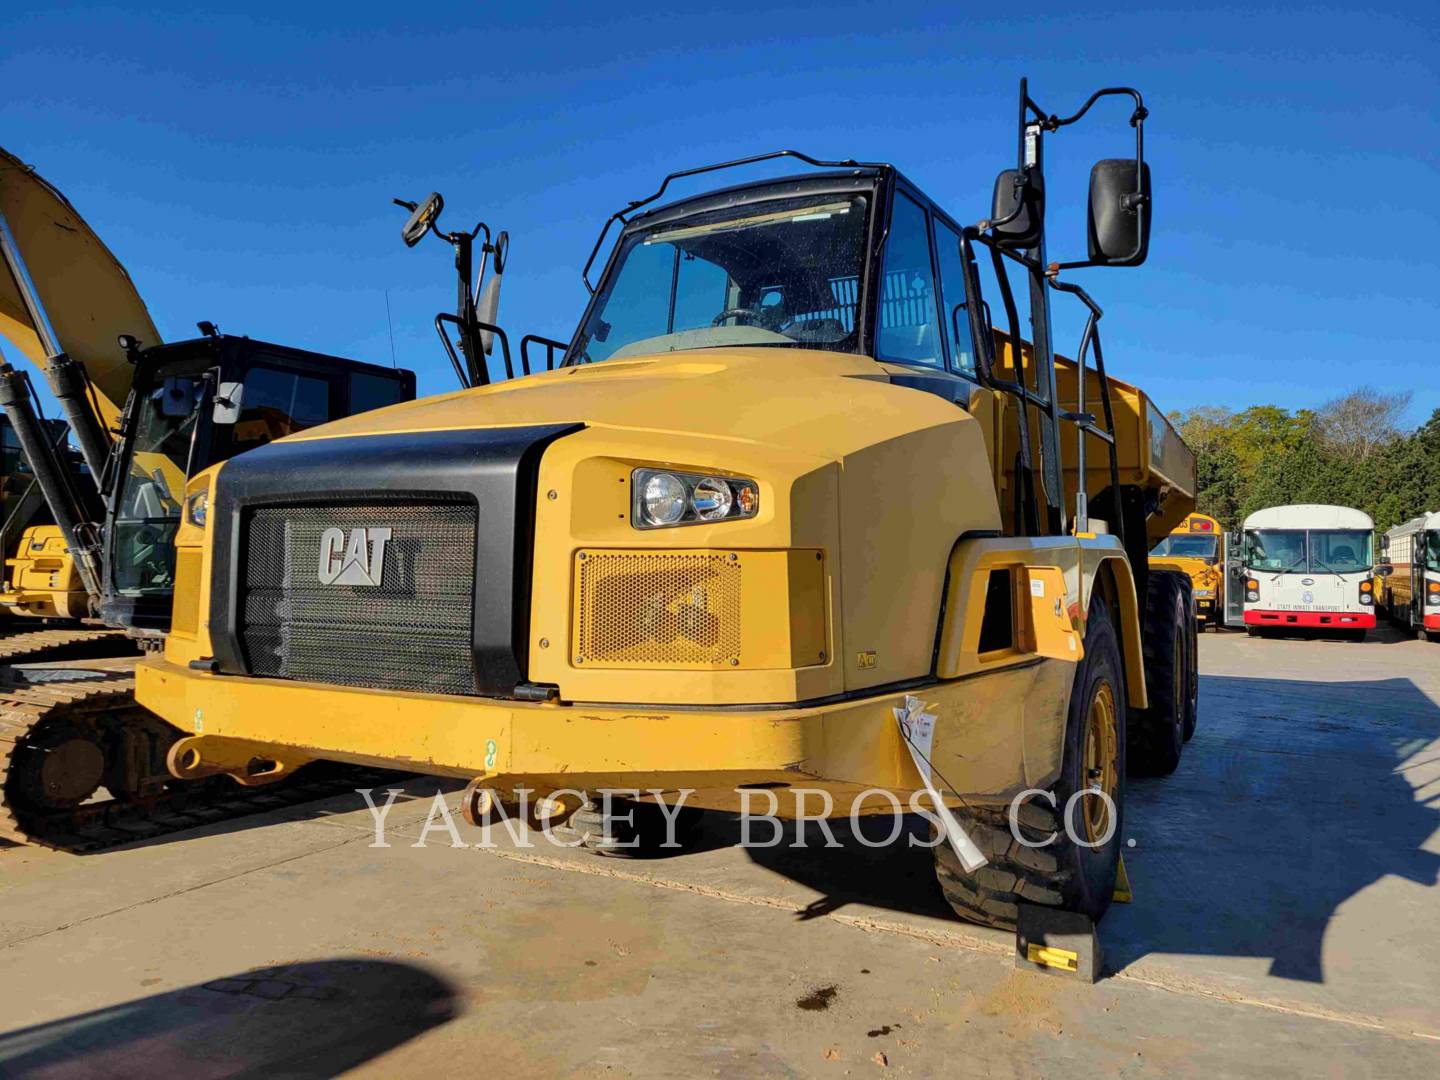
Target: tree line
1351, 451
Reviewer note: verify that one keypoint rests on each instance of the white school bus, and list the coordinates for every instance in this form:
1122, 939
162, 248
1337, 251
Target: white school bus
1410, 593
1309, 568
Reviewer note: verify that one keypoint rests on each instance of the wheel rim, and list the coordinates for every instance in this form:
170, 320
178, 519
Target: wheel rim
1102, 752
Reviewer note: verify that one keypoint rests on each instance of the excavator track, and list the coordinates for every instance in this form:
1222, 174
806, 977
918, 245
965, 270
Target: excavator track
66, 736
84, 642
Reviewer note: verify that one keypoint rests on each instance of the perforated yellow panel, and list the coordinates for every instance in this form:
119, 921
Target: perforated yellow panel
670, 609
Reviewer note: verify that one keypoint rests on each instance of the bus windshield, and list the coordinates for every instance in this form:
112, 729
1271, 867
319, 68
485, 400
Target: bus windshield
1188, 546
1339, 551
1432, 550
1277, 550
783, 274
1318, 551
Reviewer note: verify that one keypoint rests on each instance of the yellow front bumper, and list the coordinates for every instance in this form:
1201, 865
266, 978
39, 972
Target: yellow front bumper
843, 747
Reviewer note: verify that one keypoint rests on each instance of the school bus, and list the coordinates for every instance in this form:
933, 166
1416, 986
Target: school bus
1194, 549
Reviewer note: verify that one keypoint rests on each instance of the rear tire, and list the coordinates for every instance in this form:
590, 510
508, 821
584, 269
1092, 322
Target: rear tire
1157, 734
1061, 874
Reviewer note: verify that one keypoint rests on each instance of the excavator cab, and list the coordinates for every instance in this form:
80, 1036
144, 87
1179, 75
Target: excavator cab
193, 404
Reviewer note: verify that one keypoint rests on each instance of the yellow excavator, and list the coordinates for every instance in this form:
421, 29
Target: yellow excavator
92, 564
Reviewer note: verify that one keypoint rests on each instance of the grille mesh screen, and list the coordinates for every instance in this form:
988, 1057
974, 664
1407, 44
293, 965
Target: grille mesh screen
413, 631
638, 610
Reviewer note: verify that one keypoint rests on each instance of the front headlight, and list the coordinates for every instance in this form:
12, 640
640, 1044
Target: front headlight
661, 498
196, 507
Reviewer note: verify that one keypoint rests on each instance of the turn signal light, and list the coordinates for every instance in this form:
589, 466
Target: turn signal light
1366, 586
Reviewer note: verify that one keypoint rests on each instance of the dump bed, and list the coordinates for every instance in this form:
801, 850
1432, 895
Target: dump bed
1151, 454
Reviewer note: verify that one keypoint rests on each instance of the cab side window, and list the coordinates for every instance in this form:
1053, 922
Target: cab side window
952, 294
279, 403
909, 330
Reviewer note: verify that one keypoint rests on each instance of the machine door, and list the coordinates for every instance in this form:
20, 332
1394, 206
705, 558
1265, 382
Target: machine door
1234, 549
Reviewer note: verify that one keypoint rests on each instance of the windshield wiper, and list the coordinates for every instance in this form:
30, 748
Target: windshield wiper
1289, 569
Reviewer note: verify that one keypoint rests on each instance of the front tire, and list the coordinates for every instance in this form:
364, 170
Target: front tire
1062, 873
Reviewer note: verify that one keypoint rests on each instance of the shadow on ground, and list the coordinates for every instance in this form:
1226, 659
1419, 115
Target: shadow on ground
313, 1019
1292, 798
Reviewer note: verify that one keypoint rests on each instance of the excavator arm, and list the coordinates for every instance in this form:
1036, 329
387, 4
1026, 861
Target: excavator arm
87, 295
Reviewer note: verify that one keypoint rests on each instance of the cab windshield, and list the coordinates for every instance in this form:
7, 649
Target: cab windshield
1316, 551
1188, 547
1432, 550
781, 274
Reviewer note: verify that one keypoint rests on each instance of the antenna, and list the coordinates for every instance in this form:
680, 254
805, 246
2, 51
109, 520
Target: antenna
391, 324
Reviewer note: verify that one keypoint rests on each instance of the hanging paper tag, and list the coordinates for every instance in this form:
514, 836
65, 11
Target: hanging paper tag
918, 729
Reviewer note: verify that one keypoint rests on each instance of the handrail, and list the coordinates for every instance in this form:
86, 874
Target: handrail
551, 345
619, 215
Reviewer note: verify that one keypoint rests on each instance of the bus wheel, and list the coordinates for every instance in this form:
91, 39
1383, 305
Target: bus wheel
1157, 734
1057, 863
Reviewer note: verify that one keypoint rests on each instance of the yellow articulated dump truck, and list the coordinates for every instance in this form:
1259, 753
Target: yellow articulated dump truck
787, 514
1195, 549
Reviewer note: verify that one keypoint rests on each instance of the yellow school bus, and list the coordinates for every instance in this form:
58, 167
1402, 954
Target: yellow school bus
1194, 549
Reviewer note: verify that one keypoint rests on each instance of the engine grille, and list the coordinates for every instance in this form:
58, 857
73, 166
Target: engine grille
637, 609
413, 631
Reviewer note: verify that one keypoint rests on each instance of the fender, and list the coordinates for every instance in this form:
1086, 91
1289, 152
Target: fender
1082, 563
1102, 561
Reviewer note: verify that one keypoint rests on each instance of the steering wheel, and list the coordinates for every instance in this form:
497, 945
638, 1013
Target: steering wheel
734, 312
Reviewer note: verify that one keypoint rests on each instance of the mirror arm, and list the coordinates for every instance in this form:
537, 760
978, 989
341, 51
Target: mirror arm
491, 328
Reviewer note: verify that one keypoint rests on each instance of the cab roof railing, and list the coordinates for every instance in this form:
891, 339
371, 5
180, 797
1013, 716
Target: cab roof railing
621, 215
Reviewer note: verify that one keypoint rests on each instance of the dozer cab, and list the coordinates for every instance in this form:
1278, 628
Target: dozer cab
789, 513
90, 542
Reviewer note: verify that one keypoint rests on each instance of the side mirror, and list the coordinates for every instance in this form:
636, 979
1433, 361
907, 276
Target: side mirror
1385, 570
419, 222
487, 308
228, 399
1119, 227
1023, 195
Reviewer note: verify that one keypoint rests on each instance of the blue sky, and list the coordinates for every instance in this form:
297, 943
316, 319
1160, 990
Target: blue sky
241, 162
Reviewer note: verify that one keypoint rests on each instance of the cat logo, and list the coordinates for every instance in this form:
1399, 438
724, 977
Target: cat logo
358, 561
